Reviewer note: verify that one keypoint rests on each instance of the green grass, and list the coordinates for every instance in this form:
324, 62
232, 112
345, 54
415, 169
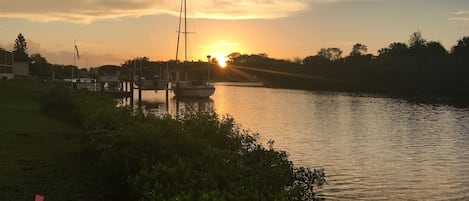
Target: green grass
39, 154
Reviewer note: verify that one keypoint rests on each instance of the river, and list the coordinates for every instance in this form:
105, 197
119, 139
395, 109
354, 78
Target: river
372, 148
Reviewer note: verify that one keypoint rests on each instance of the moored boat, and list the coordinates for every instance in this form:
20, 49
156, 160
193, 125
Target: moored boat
186, 88
192, 89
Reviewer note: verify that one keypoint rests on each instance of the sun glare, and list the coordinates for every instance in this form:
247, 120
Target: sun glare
219, 51
222, 61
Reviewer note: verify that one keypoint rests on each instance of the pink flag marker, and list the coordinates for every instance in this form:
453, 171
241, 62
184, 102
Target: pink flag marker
39, 198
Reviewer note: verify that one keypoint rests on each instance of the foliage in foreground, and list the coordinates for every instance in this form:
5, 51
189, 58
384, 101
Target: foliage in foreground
200, 157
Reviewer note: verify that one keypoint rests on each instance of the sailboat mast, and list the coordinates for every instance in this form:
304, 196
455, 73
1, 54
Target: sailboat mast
179, 31
185, 31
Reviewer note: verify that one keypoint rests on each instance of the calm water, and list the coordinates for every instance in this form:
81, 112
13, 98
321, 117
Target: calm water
370, 147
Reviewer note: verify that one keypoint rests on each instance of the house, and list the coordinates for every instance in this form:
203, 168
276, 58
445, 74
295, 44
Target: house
21, 68
20, 64
6, 65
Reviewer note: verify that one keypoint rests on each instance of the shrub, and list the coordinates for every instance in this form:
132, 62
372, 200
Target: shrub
199, 157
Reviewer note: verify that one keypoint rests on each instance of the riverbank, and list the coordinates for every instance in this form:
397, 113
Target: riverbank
76, 145
40, 154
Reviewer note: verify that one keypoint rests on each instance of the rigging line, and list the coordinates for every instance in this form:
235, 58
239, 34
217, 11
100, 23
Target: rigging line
193, 27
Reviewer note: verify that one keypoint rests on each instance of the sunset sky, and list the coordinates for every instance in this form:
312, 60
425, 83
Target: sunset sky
111, 31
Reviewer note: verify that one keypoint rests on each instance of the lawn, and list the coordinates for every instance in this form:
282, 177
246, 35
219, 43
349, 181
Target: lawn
39, 154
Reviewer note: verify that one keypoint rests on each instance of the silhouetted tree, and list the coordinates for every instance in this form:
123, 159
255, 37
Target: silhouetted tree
39, 66
316, 61
297, 60
435, 49
462, 48
233, 55
394, 49
214, 60
38, 59
416, 40
331, 54
20, 49
359, 49
460, 53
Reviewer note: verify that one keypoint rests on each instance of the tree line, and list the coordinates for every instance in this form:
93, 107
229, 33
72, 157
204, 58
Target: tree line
418, 66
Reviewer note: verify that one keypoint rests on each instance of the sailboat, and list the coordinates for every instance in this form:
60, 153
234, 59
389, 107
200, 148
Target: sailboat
187, 88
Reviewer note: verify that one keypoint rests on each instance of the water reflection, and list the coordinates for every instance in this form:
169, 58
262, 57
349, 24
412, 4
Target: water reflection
371, 147
180, 106
157, 104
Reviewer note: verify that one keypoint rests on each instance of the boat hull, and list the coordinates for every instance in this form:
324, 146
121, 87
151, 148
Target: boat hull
182, 90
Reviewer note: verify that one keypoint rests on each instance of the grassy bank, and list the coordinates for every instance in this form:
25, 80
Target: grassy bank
39, 154
76, 145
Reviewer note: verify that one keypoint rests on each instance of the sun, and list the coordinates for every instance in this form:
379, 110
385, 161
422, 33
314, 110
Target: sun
222, 61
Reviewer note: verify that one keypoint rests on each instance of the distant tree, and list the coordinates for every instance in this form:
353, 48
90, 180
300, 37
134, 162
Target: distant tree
39, 66
416, 40
331, 54
460, 52
316, 61
394, 49
462, 48
434, 48
109, 69
234, 55
38, 59
214, 60
297, 60
20, 50
359, 49
264, 55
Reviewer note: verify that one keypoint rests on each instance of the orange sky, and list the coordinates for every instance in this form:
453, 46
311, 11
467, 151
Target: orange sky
111, 31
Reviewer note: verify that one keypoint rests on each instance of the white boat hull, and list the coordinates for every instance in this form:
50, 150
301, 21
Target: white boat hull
187, 90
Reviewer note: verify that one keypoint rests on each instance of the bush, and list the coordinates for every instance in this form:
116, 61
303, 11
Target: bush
199, 157
74, 105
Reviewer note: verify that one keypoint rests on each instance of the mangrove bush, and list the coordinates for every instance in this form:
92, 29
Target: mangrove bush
200, 157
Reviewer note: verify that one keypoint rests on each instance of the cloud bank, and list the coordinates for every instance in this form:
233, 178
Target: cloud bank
87, 11
460, 18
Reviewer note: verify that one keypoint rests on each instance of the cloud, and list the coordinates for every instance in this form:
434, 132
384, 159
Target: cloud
78, 11
87, 11
250, 9
66, 57
462, 12
460, 18
86, 59
462, 21
341, 1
